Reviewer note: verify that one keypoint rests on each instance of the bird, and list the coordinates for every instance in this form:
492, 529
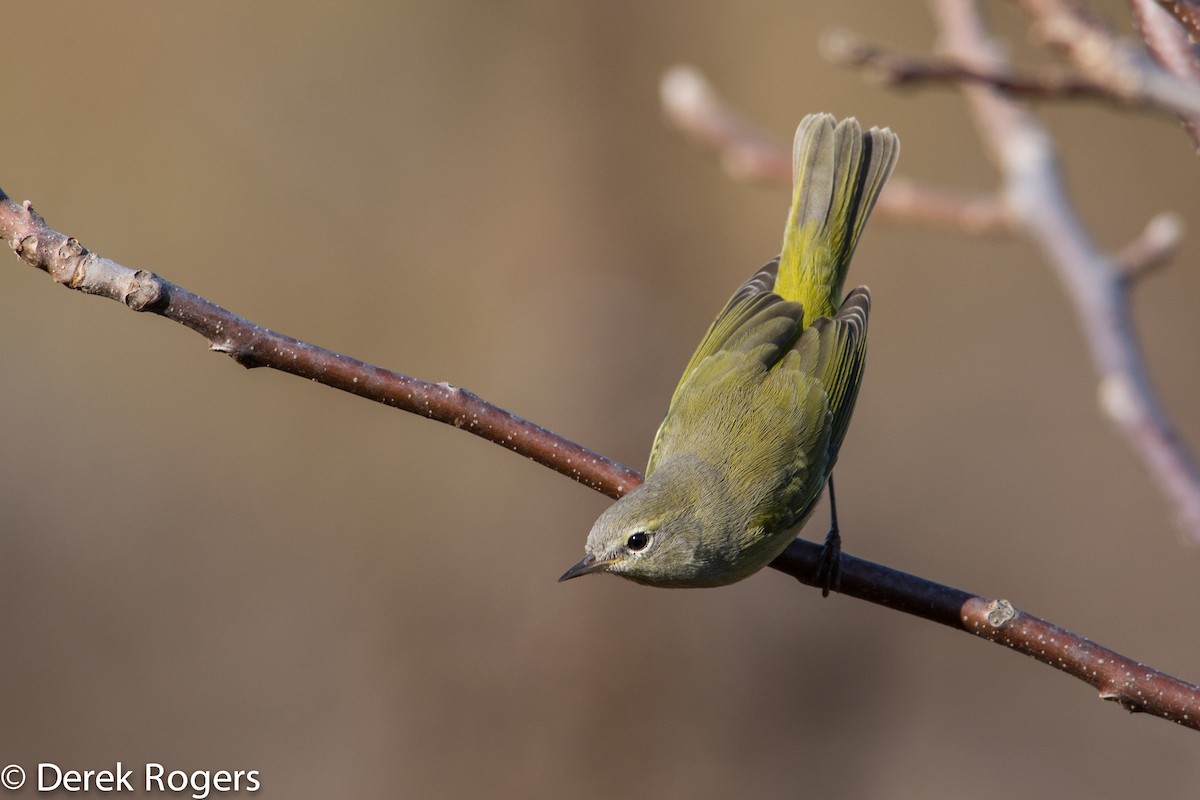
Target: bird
753, 430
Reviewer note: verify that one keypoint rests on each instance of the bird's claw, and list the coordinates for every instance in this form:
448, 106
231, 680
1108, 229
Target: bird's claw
829, 571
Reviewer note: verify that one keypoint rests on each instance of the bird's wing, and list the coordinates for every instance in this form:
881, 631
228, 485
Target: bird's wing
752, 299
756, 326
794, 447
763, 424
834, 351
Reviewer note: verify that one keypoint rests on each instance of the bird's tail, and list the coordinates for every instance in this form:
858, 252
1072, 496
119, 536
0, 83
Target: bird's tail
838, 173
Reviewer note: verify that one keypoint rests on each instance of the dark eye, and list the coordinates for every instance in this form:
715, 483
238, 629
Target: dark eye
638, 541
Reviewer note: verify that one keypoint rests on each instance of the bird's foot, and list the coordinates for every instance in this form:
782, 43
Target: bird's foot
829, 572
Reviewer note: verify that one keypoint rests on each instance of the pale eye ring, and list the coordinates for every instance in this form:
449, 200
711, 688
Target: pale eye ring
638, 541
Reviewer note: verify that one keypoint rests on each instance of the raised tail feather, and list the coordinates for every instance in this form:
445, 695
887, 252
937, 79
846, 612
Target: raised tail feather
838, 174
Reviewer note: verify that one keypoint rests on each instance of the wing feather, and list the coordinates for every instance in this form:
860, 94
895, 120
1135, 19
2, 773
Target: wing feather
756, 324
834, 351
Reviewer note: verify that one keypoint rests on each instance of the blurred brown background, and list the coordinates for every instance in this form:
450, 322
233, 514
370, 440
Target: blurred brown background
220, 569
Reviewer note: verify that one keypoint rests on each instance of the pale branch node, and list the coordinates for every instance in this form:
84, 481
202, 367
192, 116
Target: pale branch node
748, 154
1153, 249
1134, 686
1095, 282
893, 69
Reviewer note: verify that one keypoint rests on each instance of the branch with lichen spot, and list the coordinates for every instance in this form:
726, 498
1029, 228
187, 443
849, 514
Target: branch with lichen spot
1133, 686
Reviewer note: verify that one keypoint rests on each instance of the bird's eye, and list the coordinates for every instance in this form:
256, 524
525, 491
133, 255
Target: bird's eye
638, 541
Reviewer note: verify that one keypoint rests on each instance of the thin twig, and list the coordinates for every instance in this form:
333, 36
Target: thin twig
1130, 81
1114, 61
1134, 686
1171, 46
1035, 195
1152, 250
747, 154
1187, 12
976, 214
894, 69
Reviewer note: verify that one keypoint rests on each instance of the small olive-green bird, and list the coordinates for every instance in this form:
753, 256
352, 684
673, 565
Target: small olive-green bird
754, 427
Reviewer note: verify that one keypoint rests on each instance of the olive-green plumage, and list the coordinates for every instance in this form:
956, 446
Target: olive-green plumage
756, 422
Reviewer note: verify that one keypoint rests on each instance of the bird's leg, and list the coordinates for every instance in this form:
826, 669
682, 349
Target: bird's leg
829, 573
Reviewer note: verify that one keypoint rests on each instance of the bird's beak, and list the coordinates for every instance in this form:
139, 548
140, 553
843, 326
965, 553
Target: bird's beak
588, 565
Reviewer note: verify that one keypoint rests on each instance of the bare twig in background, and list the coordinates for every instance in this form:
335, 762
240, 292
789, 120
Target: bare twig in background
1151, 250
1035, 195
1172, 42
1110, 68
894, 69
1132, 685
748, 154
1032, 201
1114, 61
967, 212
1187, 12
977, 214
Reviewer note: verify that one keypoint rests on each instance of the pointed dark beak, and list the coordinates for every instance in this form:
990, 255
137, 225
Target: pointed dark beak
588, 565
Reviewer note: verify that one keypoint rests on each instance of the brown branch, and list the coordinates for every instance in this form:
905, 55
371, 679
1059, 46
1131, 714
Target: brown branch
1171, 45
71, 264
1035, 195
893, 69
747, 154
1131, 684
1134, 686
